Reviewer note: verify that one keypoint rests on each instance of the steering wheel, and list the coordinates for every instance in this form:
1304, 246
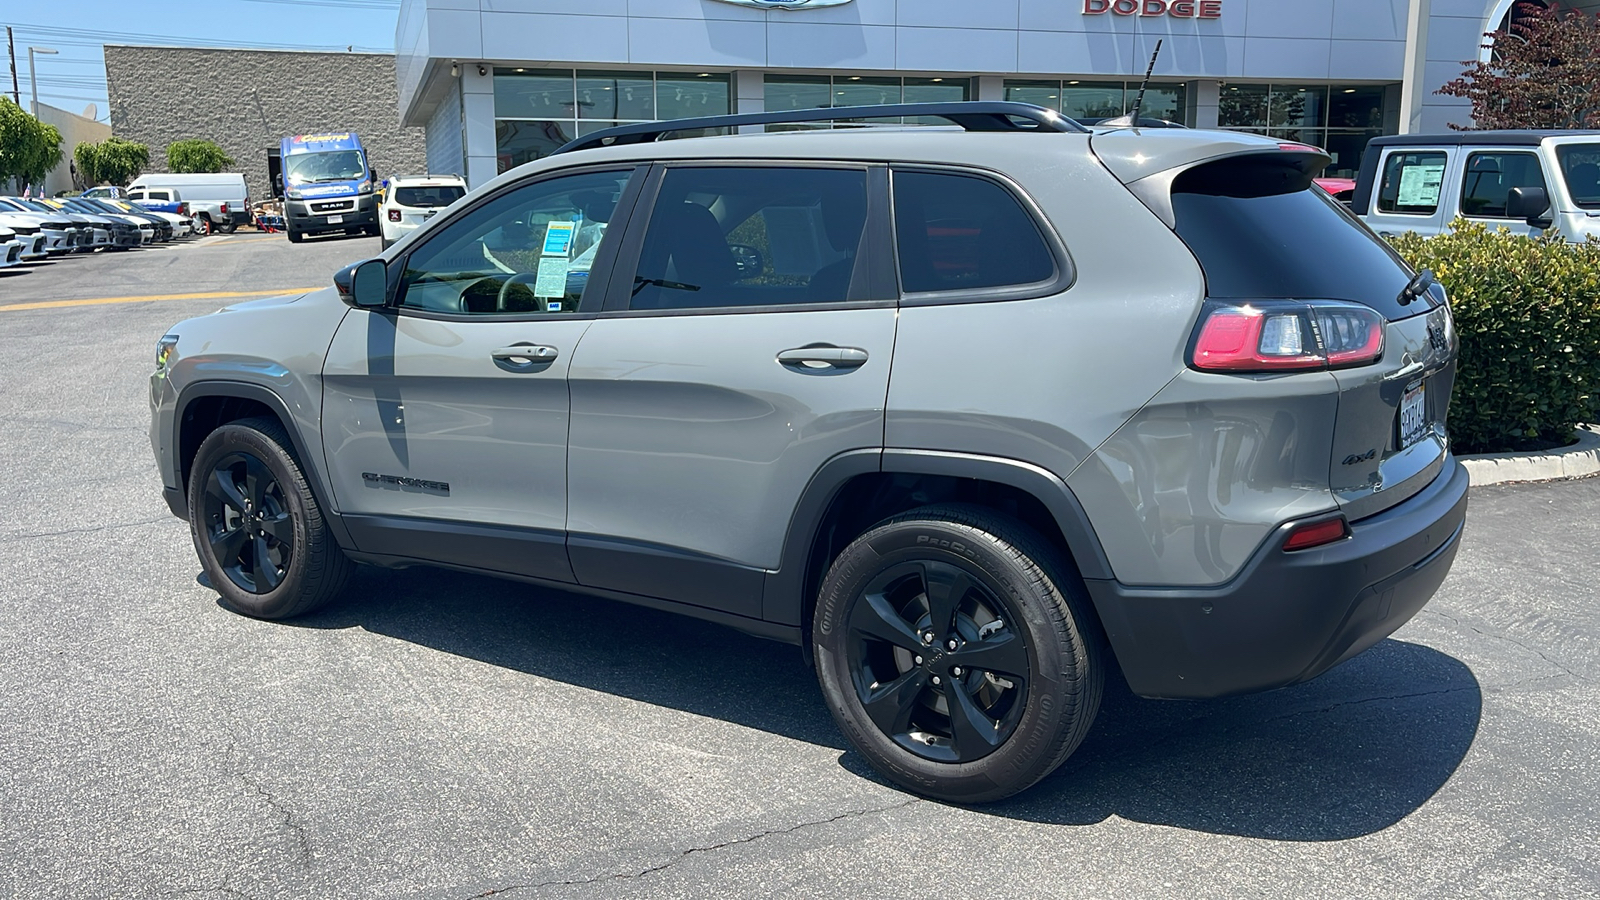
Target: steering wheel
519, 278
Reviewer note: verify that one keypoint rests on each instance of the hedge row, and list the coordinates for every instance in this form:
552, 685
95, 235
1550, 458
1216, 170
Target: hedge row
1528, 312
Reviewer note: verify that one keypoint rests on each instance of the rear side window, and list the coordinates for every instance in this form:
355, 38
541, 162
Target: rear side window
1489, 178
1260, 235
963, 233
752, 236
158, 195
1412, 183
428, 197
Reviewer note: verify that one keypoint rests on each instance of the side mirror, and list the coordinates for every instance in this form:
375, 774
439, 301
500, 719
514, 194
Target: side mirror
1530, 204
364, 285
747, 259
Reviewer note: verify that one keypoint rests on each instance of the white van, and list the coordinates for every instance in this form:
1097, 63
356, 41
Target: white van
222, 198
1529, 182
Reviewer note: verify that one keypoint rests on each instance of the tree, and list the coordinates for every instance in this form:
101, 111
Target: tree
197, 156
1544, 72
29, 148
112, 161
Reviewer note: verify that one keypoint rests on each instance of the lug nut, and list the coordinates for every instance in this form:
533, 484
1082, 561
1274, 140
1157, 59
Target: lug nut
935, 679
952, 645
956, 671
927, 638
917, 660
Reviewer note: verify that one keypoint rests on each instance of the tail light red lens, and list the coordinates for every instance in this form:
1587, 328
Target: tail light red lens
223, 209
1316, 534
1277, 336
394, 215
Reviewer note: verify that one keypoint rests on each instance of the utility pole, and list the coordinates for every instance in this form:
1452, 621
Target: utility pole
11, 50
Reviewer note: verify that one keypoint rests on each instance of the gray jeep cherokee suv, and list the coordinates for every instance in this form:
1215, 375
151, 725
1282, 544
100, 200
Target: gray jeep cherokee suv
972, 415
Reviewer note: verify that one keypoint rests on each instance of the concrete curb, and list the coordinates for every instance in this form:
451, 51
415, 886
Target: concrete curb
1577, 461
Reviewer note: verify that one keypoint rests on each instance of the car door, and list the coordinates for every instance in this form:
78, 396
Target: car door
1487, 178
747, 337
1409, 195
446, 413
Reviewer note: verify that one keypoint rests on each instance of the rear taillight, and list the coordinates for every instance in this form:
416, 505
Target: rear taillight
183, 209
223, 209
1316, 534
1279, 336
394, 215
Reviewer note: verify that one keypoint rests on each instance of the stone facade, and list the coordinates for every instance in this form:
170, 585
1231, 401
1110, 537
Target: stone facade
247, 100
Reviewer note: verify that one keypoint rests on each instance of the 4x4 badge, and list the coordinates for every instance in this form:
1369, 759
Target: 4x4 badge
787, 4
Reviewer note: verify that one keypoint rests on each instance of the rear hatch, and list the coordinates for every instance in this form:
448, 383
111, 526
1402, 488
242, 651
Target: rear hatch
417, 202
1263, 234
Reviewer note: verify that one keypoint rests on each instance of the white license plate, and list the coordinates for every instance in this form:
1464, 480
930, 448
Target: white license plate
1413, 415
334, 220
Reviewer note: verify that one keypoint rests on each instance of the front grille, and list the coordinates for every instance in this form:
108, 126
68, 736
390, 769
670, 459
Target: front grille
333, 206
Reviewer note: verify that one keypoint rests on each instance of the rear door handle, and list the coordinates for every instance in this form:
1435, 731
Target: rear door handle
819, 355
525, 356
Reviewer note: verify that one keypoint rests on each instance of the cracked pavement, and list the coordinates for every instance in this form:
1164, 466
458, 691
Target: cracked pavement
439, 735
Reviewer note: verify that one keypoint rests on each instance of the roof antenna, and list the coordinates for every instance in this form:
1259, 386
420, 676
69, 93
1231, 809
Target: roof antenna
1132, 118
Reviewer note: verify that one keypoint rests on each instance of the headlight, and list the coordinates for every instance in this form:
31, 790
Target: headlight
164, 348
364, 187
296, 195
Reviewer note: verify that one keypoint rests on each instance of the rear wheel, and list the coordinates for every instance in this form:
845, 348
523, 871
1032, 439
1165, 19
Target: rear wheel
957, 653
257, 527
227, 227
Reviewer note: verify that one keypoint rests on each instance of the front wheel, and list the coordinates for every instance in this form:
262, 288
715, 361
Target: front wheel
295, 237
258, 529
957, 653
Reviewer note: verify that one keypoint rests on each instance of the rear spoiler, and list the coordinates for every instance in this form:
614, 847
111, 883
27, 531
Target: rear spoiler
1156, 173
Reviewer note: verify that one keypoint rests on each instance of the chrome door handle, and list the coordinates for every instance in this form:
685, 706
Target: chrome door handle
819, 355
525, 356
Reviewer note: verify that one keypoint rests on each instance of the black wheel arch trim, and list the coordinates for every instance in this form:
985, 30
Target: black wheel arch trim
244, 390
784, 599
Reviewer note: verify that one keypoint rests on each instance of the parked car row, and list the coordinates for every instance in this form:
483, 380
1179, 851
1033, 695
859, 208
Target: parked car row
216, 201
36, 228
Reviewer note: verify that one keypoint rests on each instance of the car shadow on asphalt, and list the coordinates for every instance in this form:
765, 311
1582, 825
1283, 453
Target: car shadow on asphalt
1347, 754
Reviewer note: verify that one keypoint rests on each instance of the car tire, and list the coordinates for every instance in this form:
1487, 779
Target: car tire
227, 227
257, 527
373, 231
295, 237
1014, 602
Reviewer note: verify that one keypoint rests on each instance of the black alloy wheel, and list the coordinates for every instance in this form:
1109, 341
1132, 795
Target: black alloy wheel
935, 663
958, 651
247, 523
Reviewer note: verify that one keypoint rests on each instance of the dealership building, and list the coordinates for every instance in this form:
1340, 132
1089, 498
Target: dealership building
497, 83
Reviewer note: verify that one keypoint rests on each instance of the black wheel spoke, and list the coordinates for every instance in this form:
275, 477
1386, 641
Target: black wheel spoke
221, 485
225, 545
1003, 654
945, 586
972, 732
257, 481
280, 528
875, 617
890, 705
264, 572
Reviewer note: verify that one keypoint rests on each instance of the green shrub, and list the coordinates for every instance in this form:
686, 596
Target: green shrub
197, 155
1528, 313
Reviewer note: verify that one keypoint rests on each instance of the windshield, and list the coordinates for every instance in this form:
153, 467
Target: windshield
338, 165
1580, 166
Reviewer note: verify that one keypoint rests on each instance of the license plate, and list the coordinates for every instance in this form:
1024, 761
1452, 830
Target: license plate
1413, 416
334, 220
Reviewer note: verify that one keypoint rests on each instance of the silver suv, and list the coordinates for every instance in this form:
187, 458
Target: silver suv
973, 415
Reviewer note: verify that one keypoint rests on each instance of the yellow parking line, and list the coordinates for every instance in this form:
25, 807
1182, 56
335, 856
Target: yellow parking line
100, 301
228, 239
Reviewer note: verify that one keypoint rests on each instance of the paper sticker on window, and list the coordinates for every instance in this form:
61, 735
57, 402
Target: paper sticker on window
552, 280
1420, 185
558, 239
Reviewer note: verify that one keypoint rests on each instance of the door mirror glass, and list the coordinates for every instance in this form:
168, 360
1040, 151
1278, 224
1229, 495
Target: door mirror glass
1529, 204
747, 259
364, 285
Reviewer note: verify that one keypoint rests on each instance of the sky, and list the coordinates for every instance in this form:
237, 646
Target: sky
76, 77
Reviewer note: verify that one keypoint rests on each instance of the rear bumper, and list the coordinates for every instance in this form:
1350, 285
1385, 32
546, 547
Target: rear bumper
1288, 617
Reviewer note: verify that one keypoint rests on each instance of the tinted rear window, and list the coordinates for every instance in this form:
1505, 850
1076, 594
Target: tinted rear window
428, 197
960, 233
1255, 242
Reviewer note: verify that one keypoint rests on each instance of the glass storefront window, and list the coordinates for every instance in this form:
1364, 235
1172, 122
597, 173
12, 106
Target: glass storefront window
1355, 107
937, 90
533, 95
798, 92
1040, 93
691, 96
858, 90
1298, 106
1242, 106
616, 95
518, 142
1346, 148
1092, 99
1161, 101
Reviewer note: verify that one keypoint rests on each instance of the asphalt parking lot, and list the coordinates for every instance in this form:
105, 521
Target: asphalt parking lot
438, 735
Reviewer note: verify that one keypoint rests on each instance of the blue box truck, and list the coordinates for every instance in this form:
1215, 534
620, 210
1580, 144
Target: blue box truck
326, 183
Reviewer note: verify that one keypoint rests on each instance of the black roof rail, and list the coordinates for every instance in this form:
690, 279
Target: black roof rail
972, 115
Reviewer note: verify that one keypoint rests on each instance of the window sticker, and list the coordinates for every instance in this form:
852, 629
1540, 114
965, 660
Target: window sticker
1420, 185
552, 280
558, 239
